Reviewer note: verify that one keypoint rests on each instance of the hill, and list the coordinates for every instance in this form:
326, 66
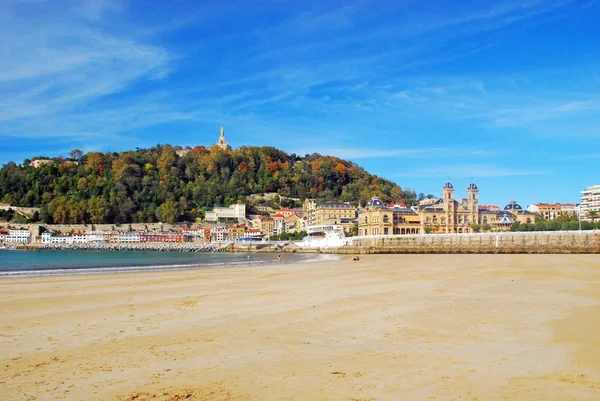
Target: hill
157, 184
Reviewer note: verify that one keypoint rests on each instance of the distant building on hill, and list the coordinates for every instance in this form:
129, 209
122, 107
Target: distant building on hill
236, 212
40, 162
222, 143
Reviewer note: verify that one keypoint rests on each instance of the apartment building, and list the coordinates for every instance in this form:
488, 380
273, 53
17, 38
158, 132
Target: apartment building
590, 201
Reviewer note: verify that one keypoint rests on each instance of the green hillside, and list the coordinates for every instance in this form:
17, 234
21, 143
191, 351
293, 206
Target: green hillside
155, 184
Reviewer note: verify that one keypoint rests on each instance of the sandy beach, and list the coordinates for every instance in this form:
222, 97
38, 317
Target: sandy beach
391, 327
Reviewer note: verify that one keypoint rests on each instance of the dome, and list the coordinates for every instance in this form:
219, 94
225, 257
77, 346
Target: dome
472, 186
375, 202
448, 185
512, 205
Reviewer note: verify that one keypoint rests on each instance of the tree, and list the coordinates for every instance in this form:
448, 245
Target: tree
593, 215
428, 230
76, 154
98, 209
486, 227
168, 212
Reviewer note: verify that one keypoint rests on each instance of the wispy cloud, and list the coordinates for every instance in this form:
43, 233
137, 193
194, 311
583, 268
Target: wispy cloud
469, 170
366, 153
52, 67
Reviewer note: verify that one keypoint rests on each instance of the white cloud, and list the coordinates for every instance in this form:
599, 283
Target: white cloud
468, 170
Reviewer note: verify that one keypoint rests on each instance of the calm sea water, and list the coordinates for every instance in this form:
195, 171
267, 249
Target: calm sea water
77, 262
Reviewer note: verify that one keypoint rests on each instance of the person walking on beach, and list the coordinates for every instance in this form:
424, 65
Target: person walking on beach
279, 258
248, 257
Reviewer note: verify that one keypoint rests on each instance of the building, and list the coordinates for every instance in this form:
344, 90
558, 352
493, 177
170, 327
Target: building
590, 203
219, 234
378, 219
253, 233
343, 214
236, 231
40, 162
294, 223
222, 143
278, 223
18, 236
289, 212
550, 211
308, 210
267, 225
490, 207
232, 213
448, 215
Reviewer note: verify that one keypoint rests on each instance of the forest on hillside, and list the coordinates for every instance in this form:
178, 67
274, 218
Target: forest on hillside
155, 184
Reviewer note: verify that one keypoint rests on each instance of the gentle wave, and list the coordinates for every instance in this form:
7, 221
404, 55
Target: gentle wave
139, 268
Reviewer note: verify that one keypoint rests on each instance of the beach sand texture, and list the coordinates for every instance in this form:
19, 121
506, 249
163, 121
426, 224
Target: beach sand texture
390, 327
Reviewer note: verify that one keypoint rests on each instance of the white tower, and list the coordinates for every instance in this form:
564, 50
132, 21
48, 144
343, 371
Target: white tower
222, 142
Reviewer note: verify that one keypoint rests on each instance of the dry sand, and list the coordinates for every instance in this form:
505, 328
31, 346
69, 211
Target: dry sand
398, 327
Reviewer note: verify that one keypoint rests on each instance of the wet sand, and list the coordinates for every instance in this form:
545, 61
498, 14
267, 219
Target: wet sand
391, 327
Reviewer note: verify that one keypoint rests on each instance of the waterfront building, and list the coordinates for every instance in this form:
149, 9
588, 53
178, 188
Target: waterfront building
550, 211
236, 212
448, 215
3, 234
21, 236
326, 212
219, 234
197, 234
236, 231
267, 225
253, 233
378, 219
590, 200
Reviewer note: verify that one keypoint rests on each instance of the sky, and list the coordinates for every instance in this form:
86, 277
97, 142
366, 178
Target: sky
506, 93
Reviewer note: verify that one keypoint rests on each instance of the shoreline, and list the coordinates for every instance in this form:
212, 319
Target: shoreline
159, 266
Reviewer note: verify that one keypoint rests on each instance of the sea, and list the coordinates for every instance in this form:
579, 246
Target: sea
45, 262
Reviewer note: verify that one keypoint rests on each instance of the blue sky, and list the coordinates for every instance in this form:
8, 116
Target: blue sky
507, 92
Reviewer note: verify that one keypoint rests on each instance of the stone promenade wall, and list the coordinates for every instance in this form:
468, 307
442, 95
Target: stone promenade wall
530, 242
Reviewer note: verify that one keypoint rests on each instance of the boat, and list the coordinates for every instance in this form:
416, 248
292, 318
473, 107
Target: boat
323, 236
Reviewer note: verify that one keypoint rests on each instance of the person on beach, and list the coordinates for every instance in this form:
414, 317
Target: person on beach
279, 258
248, 258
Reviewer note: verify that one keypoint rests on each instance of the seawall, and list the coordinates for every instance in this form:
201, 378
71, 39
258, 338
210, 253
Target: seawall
518, 242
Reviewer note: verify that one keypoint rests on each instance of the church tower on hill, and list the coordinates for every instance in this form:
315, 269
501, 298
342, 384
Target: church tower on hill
222, 142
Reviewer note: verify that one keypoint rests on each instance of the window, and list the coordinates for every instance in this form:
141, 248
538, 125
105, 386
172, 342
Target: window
385, 231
